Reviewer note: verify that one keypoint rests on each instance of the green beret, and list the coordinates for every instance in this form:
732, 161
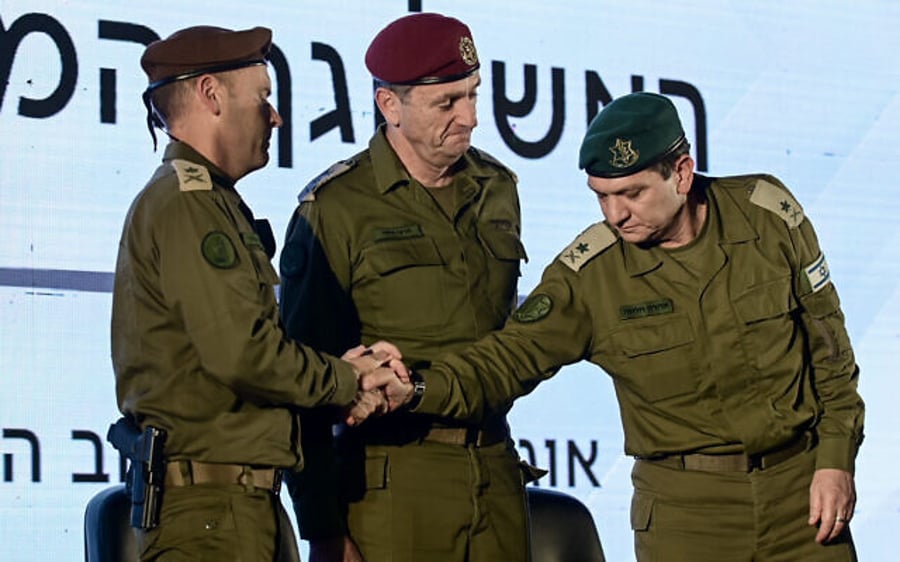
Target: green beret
631, 133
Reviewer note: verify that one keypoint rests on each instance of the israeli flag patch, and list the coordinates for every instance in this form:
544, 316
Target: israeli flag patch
818, 274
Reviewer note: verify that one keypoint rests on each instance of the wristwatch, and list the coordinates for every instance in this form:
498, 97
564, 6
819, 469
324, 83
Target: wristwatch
418, 383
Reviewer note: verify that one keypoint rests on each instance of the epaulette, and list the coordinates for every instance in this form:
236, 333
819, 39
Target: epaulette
777, 199
309, 192
192, 176
588, 244
485, 157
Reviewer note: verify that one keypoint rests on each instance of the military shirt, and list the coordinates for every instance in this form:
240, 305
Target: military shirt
742, 358
370, 255
197, 344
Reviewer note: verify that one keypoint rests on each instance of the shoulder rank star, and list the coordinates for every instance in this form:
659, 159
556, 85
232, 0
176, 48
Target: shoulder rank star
789, 210
575, 253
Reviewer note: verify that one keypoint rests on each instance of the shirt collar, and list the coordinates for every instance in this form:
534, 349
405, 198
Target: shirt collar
183, 151
733, 227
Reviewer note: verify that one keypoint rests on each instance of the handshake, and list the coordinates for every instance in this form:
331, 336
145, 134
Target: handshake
384, 382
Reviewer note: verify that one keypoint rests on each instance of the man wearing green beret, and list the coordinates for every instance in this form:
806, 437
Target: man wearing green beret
197, 345
709, 303
414, 240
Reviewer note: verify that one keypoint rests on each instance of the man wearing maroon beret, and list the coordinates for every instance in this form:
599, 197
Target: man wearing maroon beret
415, 240
197, 346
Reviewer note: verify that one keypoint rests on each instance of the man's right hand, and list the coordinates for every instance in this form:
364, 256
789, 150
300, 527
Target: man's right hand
339, 549
397, 390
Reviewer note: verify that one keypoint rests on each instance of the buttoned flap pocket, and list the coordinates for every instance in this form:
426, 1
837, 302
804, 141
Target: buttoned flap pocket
641, 510
822, 303
376, 471
650, 336
389, 257
503, 245
766, 300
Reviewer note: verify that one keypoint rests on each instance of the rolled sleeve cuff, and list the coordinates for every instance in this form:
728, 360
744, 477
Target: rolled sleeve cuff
346, 383
837, 453
437, 388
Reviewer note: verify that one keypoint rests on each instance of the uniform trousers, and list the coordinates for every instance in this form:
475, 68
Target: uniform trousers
216, 523
441, 503
758, 516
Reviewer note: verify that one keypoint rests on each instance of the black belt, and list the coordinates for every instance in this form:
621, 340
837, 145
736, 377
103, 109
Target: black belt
735, 462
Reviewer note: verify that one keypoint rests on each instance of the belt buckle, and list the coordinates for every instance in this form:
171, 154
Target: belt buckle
276, 482
754, 462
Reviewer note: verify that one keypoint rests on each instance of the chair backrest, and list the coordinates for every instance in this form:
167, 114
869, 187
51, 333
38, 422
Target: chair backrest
108, 534
109, 537
562, 529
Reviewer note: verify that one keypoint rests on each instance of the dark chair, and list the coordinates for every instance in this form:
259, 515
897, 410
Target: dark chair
108, 536
562, 529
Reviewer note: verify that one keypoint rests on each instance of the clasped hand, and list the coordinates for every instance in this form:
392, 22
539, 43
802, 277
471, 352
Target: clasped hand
383, 379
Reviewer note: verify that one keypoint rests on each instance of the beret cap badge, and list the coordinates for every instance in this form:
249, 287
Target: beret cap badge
467, 51
624, 155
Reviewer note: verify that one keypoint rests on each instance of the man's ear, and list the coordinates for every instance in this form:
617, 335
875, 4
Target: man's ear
388, 103
209, 91
684, 173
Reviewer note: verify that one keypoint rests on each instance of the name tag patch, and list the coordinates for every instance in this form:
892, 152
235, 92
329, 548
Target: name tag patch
398, 232
640, 310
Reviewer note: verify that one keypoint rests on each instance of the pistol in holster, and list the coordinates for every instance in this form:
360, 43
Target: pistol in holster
146, 471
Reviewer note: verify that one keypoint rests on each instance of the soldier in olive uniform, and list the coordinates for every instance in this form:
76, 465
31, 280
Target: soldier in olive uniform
709, 303
415, 240
197, 345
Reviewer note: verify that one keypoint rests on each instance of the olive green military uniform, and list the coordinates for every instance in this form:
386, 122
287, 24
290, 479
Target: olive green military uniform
198, 351
372, 255
734, 343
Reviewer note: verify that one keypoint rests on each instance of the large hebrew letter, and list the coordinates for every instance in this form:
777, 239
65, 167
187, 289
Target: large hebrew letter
118, 31
9, 44
35, 454
98, 475
340, 116
505, 108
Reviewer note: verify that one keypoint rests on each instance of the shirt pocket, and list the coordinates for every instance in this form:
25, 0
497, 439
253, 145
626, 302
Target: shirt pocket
766, 312
765, 301
658, 355
407, 293
504, 245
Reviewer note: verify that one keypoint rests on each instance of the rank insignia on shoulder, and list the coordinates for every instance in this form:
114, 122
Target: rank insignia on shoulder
817, 274
777, 199
309, 192
191, 176
587, 245
218, 250
534, 308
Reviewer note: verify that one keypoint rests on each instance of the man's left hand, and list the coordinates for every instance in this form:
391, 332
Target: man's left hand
832, 499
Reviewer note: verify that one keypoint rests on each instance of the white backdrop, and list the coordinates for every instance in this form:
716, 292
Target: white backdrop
806, 90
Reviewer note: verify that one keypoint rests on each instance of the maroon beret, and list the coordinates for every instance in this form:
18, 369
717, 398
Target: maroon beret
202, 49
422, 49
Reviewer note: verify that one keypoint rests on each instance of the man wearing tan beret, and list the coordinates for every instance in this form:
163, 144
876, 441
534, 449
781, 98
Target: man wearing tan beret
197, 345
415, 240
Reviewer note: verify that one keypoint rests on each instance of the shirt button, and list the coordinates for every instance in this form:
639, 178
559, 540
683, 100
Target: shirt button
211, 525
